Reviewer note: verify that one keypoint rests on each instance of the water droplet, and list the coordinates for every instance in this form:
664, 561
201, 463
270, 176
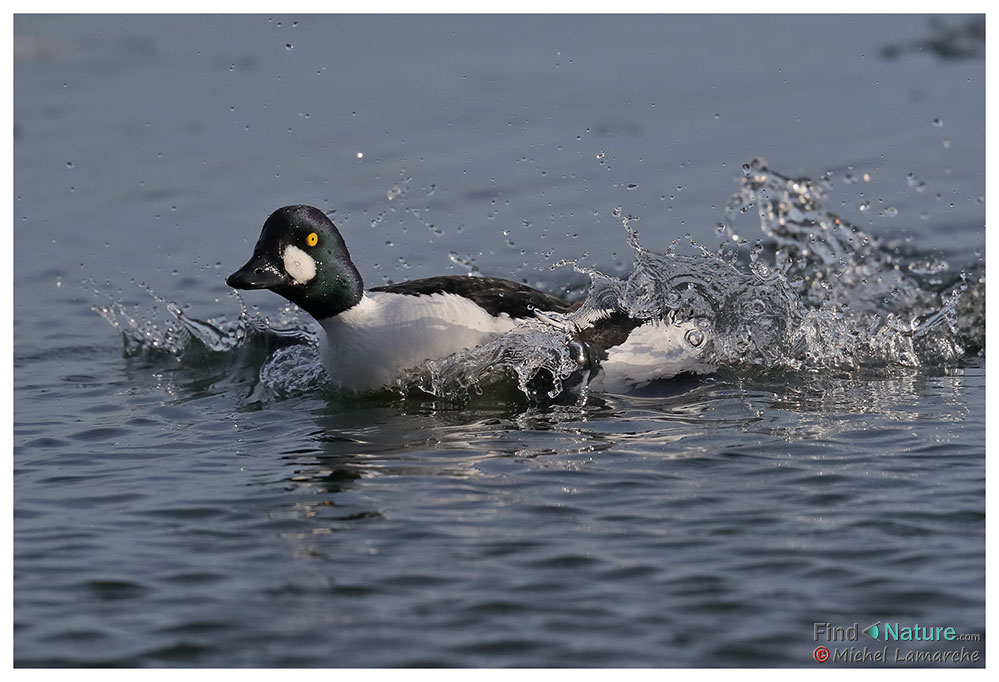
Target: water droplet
694, 338
288, 46
69, 165
937, 123
632, 186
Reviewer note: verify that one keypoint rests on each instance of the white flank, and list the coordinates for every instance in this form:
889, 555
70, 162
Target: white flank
653, 351
300, 265
372, 343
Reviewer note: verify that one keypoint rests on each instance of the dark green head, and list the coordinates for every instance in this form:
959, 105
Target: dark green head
301, 255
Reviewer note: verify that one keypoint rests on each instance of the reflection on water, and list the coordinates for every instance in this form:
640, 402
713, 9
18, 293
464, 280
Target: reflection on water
759, 475
453, 442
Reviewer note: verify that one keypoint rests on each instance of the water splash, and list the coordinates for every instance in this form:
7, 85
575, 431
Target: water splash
818, 293
815, 293
537, 357
283, 360
859, 303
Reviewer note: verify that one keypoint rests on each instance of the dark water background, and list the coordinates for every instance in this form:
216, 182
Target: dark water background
163, 517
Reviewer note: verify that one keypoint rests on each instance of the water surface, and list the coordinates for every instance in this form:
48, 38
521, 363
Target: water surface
174, 507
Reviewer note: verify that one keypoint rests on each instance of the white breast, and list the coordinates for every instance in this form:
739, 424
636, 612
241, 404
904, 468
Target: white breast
371, 344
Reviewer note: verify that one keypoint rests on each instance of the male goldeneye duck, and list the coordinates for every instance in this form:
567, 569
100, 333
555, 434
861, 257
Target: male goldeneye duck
373, 335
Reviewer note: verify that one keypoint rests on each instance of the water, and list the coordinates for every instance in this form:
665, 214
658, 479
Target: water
188, 492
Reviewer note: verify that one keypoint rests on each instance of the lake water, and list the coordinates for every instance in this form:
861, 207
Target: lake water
192, 495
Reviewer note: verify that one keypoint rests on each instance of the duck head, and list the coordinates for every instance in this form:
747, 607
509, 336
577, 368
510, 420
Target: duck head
301, 256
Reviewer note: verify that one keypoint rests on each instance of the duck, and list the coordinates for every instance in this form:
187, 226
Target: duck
373, 336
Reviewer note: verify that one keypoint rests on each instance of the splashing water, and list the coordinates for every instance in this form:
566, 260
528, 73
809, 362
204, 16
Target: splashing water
279, 361
856, 305
818, 293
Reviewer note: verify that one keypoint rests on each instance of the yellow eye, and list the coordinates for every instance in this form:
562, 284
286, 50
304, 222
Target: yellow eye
312, 239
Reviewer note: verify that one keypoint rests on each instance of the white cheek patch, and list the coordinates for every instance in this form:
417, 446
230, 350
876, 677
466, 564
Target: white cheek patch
300, 265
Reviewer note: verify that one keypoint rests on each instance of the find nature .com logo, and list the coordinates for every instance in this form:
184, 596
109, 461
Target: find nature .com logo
891, 632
